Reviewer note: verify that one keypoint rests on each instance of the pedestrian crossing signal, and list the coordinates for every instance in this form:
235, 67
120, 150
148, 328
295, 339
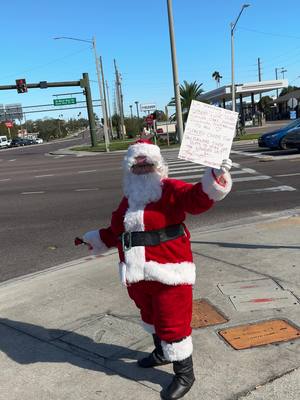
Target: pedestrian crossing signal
21, 85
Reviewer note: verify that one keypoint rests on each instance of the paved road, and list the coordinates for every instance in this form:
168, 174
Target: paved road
47, 200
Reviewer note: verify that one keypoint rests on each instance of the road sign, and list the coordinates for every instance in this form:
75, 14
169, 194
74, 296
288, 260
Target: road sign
149, 119
293, 115
64, 102
292, 103
9, 124
148, 107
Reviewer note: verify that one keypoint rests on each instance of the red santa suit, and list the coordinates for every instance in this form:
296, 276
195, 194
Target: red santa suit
159, 278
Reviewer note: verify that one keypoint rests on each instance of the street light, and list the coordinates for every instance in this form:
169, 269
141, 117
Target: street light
93, 43
137, 109
232, 27
130, 111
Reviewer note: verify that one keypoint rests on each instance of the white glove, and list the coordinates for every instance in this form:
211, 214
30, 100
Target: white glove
95, 243
225, 167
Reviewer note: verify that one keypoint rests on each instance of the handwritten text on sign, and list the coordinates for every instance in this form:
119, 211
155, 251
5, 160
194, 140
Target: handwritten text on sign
208, 134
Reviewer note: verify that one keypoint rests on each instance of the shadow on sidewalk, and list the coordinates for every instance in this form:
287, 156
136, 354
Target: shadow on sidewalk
246, 245
30, 344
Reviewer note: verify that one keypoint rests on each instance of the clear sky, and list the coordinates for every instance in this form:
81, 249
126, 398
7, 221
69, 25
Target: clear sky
135, 33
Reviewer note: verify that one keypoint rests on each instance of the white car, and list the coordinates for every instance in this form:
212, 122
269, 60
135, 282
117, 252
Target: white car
3, 142
39, 140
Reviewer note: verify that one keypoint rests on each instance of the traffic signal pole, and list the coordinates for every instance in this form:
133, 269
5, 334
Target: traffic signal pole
84, 83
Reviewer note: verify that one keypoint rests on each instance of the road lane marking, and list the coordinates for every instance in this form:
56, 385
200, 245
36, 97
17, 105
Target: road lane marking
269, 189
5, 180
32, 192
85, 190
295, 174
13, 159
43, 176
86, 172
191, 168
251, 178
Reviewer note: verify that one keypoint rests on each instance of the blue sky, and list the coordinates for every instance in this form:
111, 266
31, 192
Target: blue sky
135, 33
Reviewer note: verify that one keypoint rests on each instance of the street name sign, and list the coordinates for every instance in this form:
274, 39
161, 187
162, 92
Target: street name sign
64, 102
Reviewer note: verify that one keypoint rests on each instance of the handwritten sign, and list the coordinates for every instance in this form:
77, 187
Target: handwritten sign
208, 134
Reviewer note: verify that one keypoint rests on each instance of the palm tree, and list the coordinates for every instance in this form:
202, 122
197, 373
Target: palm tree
188, 92
217, 77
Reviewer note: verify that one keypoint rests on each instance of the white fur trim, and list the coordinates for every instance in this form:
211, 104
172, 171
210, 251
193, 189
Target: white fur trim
152, 154
178, 351
170, 273
122, 272
94, 239
212, 188
148, 327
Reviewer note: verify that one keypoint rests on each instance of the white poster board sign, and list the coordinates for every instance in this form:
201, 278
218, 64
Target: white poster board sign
208, 134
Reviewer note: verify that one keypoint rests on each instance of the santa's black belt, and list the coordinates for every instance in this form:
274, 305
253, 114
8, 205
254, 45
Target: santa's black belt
151, 238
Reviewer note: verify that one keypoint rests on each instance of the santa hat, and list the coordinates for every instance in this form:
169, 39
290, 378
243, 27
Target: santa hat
143, 147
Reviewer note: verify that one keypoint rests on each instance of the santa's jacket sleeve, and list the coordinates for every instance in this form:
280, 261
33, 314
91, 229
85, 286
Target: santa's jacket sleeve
199, 197
103, 239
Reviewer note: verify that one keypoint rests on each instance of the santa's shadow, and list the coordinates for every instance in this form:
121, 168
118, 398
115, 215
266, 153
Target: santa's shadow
26, 344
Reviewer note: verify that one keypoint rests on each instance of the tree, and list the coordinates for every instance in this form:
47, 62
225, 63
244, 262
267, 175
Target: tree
288, 90
264, 104
217, 77
188, 92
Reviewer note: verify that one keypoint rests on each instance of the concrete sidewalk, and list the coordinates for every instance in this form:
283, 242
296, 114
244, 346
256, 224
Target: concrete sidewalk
71, 332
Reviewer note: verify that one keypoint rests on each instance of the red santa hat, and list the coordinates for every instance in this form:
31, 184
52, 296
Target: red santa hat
144, 147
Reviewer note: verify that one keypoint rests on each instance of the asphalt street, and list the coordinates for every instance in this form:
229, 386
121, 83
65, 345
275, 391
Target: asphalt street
47, 200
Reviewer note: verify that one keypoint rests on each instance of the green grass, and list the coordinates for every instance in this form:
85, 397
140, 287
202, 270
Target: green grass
123, 144
249, 136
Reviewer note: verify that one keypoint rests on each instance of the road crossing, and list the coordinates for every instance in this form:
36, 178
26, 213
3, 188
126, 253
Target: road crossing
192, 173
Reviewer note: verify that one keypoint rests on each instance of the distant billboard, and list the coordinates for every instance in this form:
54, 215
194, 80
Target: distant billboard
13, 111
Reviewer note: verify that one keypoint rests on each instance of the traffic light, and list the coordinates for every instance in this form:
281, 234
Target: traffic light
21, 85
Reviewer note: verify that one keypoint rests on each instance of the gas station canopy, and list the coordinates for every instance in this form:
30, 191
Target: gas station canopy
223, 93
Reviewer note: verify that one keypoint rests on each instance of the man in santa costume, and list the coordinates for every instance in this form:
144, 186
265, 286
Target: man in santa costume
156, 262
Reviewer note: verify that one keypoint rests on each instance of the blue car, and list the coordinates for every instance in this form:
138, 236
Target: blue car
275, 139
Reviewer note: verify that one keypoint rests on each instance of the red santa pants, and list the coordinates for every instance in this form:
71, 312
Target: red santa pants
167, 308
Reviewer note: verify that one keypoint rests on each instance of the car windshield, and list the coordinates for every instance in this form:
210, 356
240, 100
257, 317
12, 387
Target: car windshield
293, 124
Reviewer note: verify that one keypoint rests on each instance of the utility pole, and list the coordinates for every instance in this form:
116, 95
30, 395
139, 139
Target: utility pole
276, 76
101, 96
105, 117
175, 72
85, 84
259, 73
130, 110
109, 113
118, 93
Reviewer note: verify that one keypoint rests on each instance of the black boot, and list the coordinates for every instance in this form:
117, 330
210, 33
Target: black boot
182, 381
155, 358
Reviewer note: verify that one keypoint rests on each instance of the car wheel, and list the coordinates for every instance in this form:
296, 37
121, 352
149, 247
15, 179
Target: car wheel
282, 144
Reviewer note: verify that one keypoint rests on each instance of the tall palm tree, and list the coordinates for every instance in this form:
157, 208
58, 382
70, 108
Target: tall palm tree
217, 77
188, 92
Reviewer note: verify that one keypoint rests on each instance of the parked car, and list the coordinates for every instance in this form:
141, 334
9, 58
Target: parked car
27, 142
3, 142
292, 140
275, 139
17, 142
39, 140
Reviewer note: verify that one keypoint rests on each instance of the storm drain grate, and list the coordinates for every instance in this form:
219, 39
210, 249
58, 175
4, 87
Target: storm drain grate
259, 334
204, 314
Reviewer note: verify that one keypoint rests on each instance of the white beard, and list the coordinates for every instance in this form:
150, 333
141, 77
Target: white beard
142, 189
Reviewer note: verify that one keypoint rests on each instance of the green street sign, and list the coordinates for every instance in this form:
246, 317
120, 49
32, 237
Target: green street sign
64, 102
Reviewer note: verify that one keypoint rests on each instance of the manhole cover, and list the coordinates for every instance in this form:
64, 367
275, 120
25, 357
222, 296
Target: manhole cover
204, 314
266, 332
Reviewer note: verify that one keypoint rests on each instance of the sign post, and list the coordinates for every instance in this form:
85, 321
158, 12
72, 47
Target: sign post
9, 125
